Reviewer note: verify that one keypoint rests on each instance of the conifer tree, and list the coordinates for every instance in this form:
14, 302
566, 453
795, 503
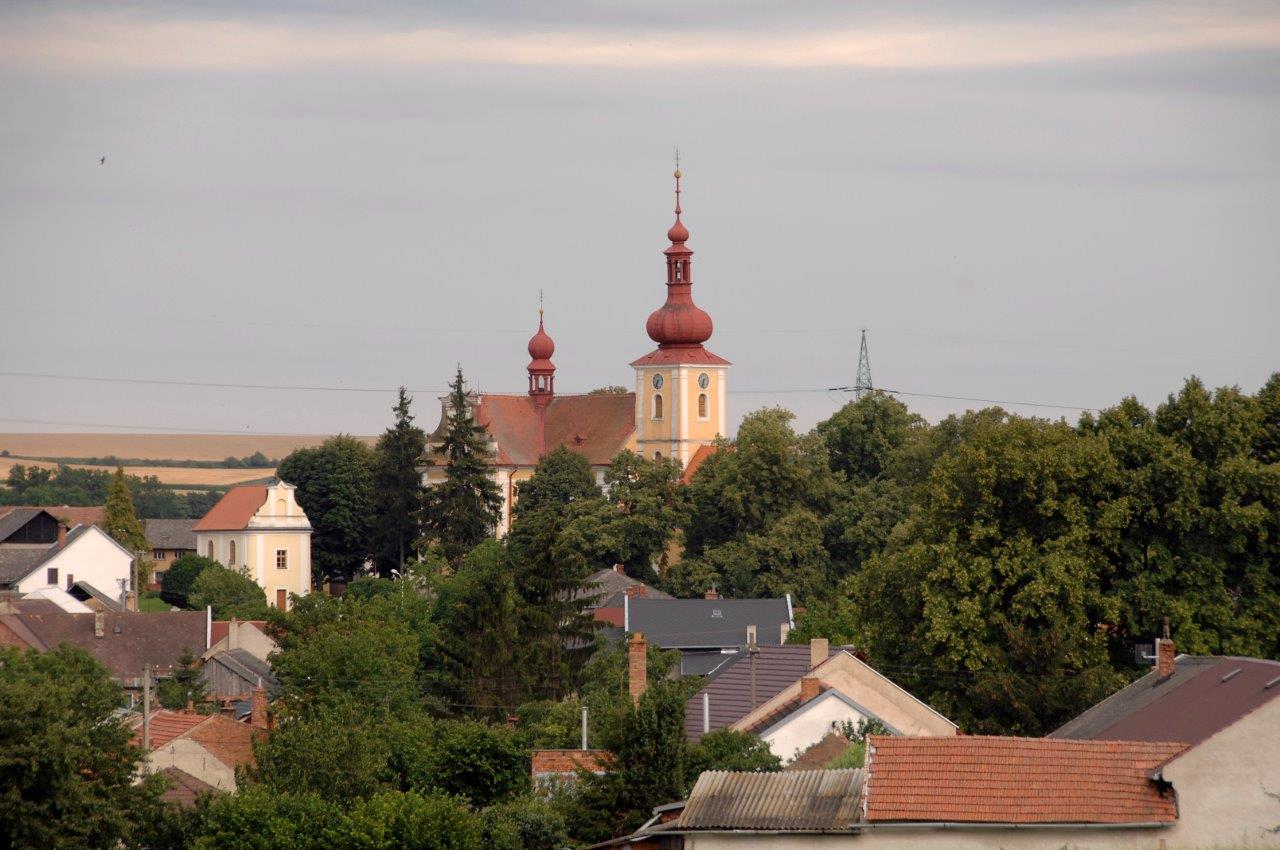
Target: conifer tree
398, 489
122, 523
461, 511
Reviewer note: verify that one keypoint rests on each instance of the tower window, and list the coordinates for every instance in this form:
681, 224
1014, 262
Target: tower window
657, 407
209, 549
231, 553
679, 271
702, 405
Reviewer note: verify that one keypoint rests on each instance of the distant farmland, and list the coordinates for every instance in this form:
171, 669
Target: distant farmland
178, 447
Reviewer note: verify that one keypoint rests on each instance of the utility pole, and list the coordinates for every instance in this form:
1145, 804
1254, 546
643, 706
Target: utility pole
862, 384
146, 707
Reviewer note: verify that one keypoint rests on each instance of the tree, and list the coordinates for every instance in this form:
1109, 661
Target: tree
462, 510
180, 577
729, 749
398, 489
479, 639
561, 478
230, 592
66, 763
336, 490
335, 749
186, 683
648, 506
120, 521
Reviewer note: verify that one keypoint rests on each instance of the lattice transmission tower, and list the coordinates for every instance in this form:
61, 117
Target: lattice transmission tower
863, 383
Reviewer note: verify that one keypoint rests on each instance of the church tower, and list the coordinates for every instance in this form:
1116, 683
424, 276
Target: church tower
680, 386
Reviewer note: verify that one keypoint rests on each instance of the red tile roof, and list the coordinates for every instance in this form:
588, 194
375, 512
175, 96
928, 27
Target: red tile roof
70, 514
596, 426
234, 510
699, 457
184, 789
685, 354
167, 725
227, 740
1017, 780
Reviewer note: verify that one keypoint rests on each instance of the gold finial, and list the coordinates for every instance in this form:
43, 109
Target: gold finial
539, 306
678, 175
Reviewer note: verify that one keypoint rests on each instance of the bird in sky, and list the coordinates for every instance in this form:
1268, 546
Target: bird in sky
102, 161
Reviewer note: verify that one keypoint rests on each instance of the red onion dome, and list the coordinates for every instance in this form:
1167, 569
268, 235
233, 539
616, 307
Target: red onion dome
541, 347
679, 322
678, 232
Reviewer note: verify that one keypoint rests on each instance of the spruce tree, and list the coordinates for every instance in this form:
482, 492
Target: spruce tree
122, 523
398, 489
461, 511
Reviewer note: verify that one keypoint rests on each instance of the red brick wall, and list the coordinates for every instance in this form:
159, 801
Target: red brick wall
568, 761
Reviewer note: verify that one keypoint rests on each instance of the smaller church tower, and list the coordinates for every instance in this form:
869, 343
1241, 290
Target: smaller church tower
680, 387
542, 372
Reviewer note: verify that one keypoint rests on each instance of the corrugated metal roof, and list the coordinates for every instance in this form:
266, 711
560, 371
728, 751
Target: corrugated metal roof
818, 800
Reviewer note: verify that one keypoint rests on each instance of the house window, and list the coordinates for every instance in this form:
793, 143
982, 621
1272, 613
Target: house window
702, 405
657, 407
282, 559
209, 549
157, 555
71, 581
51, 577
231, 553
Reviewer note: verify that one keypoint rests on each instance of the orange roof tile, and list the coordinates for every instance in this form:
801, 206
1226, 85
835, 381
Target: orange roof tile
595, 426
234, 510
982, 779
699, 457
167, 725
227, 740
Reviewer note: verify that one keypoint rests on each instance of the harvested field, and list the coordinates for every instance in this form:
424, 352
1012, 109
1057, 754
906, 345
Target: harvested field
167, 474
158, 446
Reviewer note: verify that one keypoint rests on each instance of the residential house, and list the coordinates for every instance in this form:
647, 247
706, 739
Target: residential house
38, 552
247, 635
728, 694
946, 792
708, 630
261, 531
1225, 709
208, 747
838, 690
610, 589
232, 674
170, 540
124, 642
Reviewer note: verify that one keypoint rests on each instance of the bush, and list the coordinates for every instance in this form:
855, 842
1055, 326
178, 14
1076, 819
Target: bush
231, 593
181, 576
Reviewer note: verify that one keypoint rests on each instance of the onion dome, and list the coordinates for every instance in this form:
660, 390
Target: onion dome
541, 347
679, 323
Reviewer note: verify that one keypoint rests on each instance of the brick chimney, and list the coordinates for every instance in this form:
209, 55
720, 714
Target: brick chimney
1166, 661
810, 687
62, 534
637, 667
99, 624
637, 590
258, 711
620, 569
818, 652
711, 593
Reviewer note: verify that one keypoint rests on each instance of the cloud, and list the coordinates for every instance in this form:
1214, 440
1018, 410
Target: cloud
146, 42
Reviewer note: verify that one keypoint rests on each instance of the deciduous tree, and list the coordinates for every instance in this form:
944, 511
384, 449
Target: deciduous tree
336, 490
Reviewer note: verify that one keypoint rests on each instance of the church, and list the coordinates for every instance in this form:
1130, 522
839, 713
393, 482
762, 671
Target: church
678, 406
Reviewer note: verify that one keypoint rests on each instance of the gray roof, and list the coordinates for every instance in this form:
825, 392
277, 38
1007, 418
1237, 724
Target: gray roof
16, 519
729, 691
18, 562
610, 587
111, 603
707, 623
1202, 696
816, 800
170, 533
246, 665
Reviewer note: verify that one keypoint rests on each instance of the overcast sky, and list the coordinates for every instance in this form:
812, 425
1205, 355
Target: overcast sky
1061, 203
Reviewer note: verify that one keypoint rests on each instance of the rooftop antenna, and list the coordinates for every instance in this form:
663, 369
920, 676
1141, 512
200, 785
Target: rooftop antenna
862, 385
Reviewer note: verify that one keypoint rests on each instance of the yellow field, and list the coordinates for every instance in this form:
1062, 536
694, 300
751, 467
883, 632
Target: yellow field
157, 447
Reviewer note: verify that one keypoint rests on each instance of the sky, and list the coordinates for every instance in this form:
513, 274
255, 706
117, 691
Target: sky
1051, 205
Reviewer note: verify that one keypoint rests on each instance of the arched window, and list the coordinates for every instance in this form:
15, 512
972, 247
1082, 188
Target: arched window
231, 553
209, 549
702, 405
657, 407
657, 455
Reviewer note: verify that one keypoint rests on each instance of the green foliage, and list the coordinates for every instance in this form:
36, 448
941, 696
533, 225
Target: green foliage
230, 592
853, 756
185, 683
728, 749
561, 478
335, 484
464, 758
180, 577
68, 485
647, 506
119, 519
461, 511
527, 823
152, 603
834, 616
398, 490
66, 765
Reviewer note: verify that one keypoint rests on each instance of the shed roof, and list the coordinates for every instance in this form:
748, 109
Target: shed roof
234, 510
708, 623
816, 800
980, 779
1204, 695
184, 789
12, 519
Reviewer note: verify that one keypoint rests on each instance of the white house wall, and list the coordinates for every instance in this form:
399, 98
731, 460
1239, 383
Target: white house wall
92, 557
796, 733
190, 756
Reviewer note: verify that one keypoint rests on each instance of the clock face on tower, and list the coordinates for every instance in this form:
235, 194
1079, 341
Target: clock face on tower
657, 382
704, 380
